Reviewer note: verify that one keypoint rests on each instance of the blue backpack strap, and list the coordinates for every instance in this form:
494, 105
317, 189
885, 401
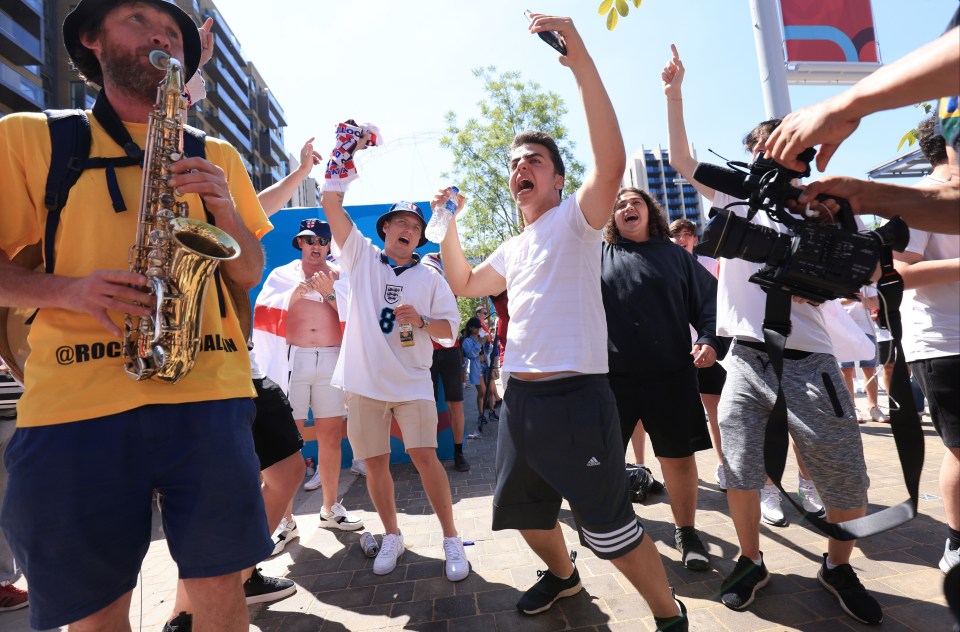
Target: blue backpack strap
70, 146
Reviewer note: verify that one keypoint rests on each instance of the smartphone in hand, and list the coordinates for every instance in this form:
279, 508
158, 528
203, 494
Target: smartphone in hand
550, 37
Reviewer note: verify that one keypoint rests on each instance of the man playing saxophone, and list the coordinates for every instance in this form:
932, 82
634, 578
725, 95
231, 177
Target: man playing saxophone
81, 538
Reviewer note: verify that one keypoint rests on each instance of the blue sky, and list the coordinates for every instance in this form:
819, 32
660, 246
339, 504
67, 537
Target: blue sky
403, 65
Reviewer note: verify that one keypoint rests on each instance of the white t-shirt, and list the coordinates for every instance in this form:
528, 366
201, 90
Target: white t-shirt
712, 265
931, 320
552, 270
372, 363
741, 304
859, 313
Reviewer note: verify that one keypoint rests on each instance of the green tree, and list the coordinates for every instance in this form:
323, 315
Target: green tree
480, 150
911, 137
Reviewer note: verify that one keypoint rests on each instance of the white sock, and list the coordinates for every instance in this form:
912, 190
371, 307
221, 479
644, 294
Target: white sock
830, 565
758, 561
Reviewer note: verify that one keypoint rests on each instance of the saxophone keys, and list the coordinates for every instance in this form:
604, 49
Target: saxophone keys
175, 156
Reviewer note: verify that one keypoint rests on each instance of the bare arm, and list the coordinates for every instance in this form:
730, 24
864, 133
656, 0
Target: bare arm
596, 195
929, 72
276, 196
933, 209
464, 280
337, 217
94, 294
918, 272
679, 147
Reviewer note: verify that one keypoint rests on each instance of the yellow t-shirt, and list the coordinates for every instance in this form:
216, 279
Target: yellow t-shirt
75, 369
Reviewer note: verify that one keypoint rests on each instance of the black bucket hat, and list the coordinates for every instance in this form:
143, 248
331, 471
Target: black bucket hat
403, 207
88, 10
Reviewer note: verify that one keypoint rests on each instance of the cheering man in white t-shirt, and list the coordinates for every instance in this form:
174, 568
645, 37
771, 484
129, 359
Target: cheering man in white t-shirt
560, 431
385, 378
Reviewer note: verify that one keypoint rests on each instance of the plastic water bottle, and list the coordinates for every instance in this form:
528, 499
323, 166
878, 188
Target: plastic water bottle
368, 542
440, 219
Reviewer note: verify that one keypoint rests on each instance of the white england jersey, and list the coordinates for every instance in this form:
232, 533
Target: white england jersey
372, 363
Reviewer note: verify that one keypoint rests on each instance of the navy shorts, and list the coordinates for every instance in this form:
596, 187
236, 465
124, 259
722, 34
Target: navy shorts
670, 409
448, 367
561, 439
870, 363
711, 379
275, 433
78, 508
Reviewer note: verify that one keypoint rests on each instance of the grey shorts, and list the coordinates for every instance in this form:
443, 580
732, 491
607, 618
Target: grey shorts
820, 418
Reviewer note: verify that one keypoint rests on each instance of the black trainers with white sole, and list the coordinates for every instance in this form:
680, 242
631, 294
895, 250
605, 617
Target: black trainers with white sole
262, 589
548, 589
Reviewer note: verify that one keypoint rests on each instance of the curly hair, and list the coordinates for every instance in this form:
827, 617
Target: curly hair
656, 217
933, 145
541, 138
84, 60
761, 132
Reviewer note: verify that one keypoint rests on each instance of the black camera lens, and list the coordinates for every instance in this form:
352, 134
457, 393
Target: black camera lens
733, 237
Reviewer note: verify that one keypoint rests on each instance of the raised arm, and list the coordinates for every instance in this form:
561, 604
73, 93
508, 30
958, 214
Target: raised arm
276, 196
929, 72
599, 189
679, 147
462, 279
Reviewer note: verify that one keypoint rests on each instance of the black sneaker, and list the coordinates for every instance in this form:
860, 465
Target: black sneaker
548, 589
740, 587
679, 623
183, 622
492, 415
262, 589
692, 552
460, 463
853, 597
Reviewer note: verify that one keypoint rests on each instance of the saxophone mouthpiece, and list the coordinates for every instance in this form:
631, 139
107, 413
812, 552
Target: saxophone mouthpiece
161, 60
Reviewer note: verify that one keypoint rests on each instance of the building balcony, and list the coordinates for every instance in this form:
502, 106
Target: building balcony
222, 76
227, 106
27, 13
19, 93
17, 44
271, 149
228, 131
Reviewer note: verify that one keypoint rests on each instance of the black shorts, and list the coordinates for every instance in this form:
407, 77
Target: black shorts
275, 433
670, 408
711, 379
886, 353
560, 439
938, 379
448, 366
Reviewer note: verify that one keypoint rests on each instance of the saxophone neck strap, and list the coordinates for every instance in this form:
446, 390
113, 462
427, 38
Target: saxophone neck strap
110, 121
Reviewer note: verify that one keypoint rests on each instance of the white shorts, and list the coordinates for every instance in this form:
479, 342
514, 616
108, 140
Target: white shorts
311, 369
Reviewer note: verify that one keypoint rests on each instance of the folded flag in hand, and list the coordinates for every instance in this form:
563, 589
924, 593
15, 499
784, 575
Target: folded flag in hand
341, 169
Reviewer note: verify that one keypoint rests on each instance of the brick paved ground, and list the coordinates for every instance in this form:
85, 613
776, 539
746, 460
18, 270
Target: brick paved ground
337, 590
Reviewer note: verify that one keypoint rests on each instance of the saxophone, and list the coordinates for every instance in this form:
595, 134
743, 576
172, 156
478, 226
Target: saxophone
176, 254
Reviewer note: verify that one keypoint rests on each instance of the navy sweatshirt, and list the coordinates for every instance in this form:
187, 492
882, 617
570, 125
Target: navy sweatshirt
652, 292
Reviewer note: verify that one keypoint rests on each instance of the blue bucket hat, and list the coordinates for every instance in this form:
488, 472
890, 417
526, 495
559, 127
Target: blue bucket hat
312, 228
403, 207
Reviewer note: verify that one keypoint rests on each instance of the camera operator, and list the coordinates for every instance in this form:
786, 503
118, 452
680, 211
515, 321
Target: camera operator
821, 417
931, 71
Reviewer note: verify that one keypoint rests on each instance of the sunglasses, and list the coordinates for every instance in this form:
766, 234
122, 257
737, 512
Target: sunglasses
312, 240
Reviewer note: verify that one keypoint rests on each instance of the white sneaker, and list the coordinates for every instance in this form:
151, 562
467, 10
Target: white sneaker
359, 467
284, 534
391, 548
770, 511
808, 495
721, 477
313, 483
877, 415
951, 558
338, 518
457, 567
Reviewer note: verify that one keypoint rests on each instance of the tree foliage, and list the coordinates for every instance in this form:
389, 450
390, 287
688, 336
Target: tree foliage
911, 137
481, 147
616, 9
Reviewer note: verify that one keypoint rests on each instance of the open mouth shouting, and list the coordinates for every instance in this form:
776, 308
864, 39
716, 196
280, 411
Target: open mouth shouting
523, 185
630, 216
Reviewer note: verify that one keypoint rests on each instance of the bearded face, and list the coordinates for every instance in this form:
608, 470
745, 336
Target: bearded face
130, 70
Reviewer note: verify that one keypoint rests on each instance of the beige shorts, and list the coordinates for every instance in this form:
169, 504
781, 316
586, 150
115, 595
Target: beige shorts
368, 424
311, 369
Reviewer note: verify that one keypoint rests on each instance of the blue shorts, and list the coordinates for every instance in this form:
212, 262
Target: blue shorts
78, 506
864, 364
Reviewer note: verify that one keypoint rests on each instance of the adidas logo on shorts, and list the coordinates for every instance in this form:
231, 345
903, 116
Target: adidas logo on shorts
593, 462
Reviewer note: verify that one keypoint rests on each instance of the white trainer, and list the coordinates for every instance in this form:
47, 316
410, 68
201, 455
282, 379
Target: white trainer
359, 467
951, 558
284, 534
877, 415
338, 518
457, 567
313, 483
721, 477
391, 548
808, 495
770, 511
